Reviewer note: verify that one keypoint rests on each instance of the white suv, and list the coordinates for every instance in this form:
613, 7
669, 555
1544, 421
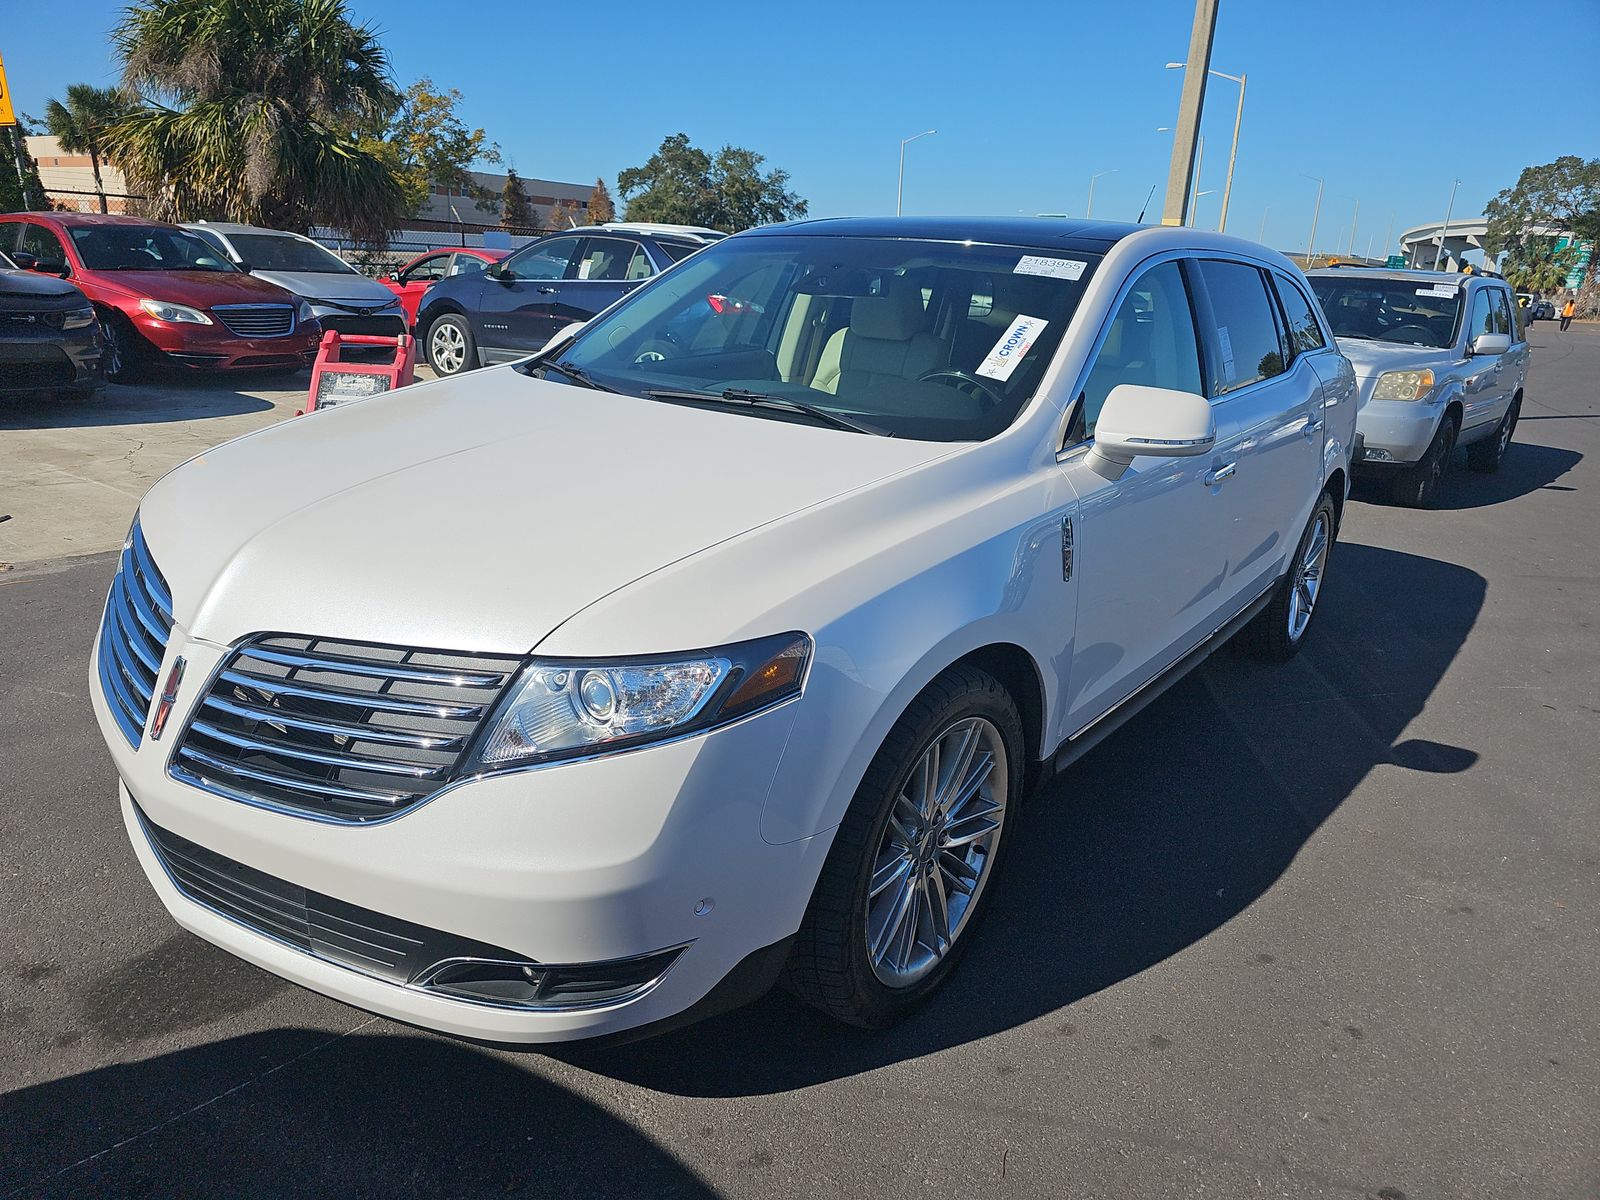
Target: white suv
592, 692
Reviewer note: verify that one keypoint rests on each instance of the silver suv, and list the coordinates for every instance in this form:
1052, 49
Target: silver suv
1440, 359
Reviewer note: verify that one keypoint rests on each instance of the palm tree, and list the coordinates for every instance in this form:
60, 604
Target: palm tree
252, 110
82, 123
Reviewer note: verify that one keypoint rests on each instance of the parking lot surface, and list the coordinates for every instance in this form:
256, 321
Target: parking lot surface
1324, 930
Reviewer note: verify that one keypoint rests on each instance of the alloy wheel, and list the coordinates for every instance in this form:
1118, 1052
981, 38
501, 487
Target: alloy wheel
111, 353
1308, 578
936, 851
447, 348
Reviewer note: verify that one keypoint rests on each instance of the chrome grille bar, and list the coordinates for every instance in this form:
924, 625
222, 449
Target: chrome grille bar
256, 320
336, 730
133, 636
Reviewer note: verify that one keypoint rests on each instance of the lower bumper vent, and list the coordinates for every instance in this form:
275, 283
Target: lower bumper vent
389, 948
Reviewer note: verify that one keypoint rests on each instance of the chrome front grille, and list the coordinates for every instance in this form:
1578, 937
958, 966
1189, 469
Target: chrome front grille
343, 731
257, 320
133, 636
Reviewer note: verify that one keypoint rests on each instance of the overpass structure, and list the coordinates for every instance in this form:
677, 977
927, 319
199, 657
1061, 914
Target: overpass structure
1420, 244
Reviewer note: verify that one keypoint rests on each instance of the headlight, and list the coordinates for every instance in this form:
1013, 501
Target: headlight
78, 318
174, 314
303, 314
563, 708
1403, 385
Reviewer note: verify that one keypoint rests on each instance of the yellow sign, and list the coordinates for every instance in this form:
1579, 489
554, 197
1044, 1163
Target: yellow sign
8, 115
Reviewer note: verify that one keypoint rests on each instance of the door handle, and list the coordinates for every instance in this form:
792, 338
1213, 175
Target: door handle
1219, 474
548, 291
1313, 427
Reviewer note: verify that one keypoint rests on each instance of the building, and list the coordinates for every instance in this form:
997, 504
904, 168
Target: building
69, 182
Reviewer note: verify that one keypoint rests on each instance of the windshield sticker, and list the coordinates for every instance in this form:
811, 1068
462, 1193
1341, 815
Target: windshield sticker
1055, 268
1227, 351
1436, 290
1013, 344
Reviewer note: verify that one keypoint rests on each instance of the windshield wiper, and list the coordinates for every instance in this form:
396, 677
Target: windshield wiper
576, 374
740, 398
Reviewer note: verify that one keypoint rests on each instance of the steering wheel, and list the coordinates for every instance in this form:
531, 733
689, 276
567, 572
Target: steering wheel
656, 350
1394, 335
968, 383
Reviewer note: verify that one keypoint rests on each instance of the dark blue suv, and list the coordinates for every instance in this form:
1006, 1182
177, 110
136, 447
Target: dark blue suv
512, 308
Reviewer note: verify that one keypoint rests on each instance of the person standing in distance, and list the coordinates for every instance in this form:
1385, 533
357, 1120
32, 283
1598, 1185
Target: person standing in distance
1567, 311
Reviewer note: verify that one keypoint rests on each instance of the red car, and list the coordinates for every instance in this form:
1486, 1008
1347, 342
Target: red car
164, 295
411, 281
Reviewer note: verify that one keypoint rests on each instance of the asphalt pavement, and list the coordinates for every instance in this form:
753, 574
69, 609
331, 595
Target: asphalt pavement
1322, 930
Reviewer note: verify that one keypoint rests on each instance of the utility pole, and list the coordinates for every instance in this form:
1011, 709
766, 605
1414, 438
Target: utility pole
1180, 175
1444, 230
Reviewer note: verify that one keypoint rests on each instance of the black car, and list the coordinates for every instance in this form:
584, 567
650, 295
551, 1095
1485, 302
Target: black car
511, 309
49, 337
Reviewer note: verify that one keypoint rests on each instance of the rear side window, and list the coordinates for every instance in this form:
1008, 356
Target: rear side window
678, 251
606, 259
1150, 342
42, 244
1246, 331
1304, 332
542, 260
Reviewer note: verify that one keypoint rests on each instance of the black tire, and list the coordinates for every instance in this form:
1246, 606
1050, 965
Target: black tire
1275, 635
830, 967
1486, 456
451, 348
126, 356
1416, 485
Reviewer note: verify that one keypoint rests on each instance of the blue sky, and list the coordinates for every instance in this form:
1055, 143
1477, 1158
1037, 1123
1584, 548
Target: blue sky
1389, 102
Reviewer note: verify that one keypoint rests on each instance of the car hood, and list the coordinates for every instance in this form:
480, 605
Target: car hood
1370, 358
197, 289
477, 513
34, 287
320, 285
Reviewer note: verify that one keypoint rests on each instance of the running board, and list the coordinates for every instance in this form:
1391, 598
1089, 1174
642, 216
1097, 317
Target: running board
1113, 719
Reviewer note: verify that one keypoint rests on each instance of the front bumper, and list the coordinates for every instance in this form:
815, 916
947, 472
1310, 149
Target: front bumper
387, 322
1396, 432
573, 863
214, 347
50, 361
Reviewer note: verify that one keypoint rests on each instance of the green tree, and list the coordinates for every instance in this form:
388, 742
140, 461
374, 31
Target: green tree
82, 122
601, 209
1534, 264
431, 144
681, 184
249, 109
24, 194
516, 211
1563, 196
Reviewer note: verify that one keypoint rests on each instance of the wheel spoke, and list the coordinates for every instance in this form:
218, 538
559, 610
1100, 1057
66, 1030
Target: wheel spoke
985, 826
955, 778
971, 787
894, 916
938, 910
963, 875
889, 872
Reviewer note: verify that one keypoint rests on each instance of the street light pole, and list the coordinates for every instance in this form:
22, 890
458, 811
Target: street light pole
1181, 172
1089, 212
1233, 150
1311, 246
1444, 230
900, 188
1261, 234
1350, 250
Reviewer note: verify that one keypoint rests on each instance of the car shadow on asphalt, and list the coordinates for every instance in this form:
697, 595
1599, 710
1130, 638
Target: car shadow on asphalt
1171, 828
302, 1113
1526, 468
159, 401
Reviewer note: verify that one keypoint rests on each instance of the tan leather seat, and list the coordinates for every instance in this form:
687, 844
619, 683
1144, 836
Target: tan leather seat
886, 343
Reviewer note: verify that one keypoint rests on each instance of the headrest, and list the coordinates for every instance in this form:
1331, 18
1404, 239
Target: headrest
892, 317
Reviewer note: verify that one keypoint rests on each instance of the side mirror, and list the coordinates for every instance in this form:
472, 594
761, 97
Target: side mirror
28, 262
1490, 344
244, 266
1152, 421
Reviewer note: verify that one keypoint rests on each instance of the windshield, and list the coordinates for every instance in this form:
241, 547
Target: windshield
938, 341
145, 248
1408, 311
276, 252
